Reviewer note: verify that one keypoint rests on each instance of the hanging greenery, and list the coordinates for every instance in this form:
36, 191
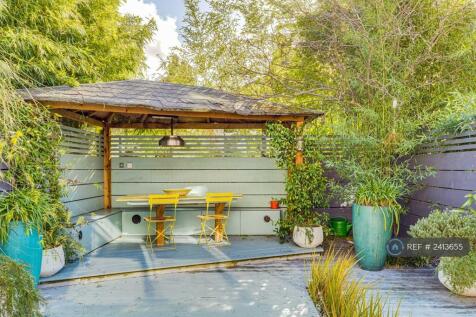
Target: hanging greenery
52, 43
306, 184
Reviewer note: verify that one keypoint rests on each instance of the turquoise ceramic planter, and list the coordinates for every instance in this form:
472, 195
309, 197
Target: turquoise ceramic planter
25, 248
372, 229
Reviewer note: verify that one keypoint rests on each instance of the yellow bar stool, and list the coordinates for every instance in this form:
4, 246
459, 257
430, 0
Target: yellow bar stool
219, 217
164, 224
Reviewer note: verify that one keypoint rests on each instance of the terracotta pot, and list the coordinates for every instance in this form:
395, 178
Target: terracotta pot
470, 292
274, 204
308, 237
53, 261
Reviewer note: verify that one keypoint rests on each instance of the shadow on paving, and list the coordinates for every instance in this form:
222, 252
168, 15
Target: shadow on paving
267, 289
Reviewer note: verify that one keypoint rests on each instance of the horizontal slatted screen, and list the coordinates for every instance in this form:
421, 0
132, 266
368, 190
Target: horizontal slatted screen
81, 142
454, 160
82, 165
328, 146
211, 146
463, 142
195, 146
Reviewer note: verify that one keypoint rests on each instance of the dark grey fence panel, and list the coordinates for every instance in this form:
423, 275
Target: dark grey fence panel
454, 161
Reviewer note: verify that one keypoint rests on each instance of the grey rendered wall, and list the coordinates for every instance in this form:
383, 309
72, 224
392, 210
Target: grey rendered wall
258, 179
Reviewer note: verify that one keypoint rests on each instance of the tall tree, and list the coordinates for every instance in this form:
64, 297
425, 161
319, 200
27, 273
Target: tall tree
178, 70
53, 42
249, 46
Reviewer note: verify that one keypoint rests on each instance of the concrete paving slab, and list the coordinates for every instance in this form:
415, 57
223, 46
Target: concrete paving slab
130, 254
267, 289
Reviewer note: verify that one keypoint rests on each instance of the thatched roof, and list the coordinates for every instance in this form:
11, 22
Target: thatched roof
143, 102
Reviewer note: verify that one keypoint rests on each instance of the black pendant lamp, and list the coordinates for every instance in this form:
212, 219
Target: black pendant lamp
172, 140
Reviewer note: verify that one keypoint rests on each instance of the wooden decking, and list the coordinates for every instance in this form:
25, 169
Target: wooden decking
419, 292
131, 255
272, 288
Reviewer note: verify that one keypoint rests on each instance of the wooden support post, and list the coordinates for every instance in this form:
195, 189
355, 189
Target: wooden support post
300, 146
106, 132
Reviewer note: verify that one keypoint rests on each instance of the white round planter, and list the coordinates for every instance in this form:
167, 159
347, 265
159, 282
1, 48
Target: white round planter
470, 292
52, 262
313, 239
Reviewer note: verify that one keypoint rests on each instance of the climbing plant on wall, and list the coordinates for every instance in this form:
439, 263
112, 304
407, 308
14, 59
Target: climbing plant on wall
306, 184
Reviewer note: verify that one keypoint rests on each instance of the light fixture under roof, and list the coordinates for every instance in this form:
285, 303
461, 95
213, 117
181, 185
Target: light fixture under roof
172, 140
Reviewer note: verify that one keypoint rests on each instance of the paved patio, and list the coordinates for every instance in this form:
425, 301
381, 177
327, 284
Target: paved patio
272, 288
276, 288
129, 254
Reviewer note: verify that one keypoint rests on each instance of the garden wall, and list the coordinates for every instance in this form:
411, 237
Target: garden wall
82, 166
454, 161
258, 179
222, 163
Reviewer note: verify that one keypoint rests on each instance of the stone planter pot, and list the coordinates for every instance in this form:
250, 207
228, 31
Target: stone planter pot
53, 261
24, 246
308, 237
372, 229
470, 292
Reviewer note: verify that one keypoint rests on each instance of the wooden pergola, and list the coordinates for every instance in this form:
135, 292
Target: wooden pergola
143, 104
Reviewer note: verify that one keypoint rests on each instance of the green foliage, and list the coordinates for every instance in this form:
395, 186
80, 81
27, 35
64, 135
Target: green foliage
18, 295
380, 69
370, 187
178, 70
283, 229
51, 43
461, 271
56, 221
29, 143
458, 116
25, 205
54, 42
337, 294
306, 184
306, 188
282, 144
395, 62
30, 148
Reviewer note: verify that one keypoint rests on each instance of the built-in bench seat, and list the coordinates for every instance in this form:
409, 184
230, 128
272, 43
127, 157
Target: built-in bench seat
100, 227
106, 225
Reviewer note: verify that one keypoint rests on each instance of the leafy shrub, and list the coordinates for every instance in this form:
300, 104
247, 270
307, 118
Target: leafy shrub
306, 184
459, 114
337, 295
18, 295
29, 145
25, 205
461, 271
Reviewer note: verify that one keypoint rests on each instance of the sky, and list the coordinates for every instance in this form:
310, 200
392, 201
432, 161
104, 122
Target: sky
168, 15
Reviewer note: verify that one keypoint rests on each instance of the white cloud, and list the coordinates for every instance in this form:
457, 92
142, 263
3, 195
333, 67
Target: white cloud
165, 38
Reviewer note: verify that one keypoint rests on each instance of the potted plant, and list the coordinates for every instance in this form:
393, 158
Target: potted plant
374, 193
21, 214
58, 243
310, 232
306, 188
274, 203
458, 274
